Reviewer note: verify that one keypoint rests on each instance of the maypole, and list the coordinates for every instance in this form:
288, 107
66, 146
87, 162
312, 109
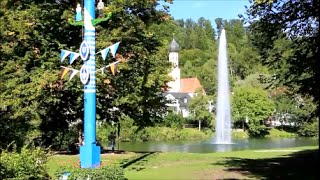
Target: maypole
89, 150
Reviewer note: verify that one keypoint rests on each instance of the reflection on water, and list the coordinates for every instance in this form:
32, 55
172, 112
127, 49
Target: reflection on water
207, 146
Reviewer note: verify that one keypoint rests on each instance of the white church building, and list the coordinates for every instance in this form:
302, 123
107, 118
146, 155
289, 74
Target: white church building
180, 90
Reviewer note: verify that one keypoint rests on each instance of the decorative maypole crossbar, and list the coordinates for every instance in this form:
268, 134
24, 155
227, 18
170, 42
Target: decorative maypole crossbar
89, 151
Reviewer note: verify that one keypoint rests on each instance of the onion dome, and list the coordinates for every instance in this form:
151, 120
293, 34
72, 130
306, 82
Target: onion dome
173, 46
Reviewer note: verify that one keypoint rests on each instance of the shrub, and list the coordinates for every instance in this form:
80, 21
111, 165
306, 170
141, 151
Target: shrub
174, 120
103, 133
27, 164
191, 133
239, 134
309, 129
106, 172
257, 130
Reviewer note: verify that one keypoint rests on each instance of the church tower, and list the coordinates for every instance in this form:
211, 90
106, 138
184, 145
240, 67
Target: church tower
174, 85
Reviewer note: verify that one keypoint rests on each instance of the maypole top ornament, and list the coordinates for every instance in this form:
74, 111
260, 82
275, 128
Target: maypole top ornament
78, 13
100, 9
102, 16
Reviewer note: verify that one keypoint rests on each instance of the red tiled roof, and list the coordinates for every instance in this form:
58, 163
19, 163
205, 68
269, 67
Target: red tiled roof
190, 85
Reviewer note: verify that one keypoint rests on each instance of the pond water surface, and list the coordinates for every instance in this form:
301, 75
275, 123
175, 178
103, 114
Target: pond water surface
207, 146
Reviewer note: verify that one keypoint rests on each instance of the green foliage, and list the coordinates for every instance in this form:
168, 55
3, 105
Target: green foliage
37, 105
198, 56
130, 132
103, 133
309, 129
27, 164
276, 133
253, 103
239, 134
136, 88
257, 130
199, 107
105, 172
287, 37
174, 120
256, 80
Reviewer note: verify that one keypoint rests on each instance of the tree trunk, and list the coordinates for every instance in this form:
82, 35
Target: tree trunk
199, 125
118, 134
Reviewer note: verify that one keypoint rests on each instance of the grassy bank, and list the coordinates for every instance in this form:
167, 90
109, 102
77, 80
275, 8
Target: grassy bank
273, 133
276, 133
249, 164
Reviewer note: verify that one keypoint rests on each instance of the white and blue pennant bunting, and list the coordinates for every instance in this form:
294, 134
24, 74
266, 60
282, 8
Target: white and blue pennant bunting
72, 71
64, 54
104, 53
113, 50
73, 56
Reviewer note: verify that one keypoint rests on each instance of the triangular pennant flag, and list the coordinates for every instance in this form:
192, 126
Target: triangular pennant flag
102, 69
74, 72
64, 54
73, 56
104, 53
65, 71
112, 68
114, 48
115, 66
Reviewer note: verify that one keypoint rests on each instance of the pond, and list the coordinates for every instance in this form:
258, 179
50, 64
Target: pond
207, 146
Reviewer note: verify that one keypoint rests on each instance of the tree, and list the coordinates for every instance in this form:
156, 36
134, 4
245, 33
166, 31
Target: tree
219, 24
36, 104
30, 37
298, 22
199, 107
254, 105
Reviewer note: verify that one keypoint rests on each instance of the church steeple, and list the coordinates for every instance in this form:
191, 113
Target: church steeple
174, 46
175, 71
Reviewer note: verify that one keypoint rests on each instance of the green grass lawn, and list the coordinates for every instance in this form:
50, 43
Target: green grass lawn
291, 163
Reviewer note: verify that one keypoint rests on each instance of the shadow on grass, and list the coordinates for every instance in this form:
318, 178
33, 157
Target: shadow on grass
299, 165
138, 163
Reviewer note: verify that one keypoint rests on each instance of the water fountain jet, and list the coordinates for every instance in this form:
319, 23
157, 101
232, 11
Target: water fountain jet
223, 116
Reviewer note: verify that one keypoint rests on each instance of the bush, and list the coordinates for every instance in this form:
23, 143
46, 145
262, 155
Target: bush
28, 164
103, 134
239, 134
309, 129
106, 172
191, 133
174, 120
258, 130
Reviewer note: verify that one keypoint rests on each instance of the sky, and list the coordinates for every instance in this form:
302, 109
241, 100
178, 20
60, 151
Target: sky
209, 9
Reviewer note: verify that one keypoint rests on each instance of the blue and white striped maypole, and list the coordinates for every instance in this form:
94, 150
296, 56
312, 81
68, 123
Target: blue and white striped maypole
89, 152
